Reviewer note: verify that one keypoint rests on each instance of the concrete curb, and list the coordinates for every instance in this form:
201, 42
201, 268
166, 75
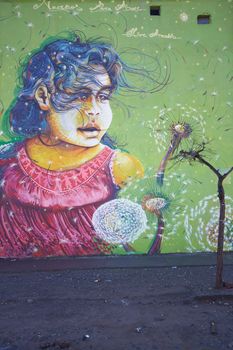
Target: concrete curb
102, 262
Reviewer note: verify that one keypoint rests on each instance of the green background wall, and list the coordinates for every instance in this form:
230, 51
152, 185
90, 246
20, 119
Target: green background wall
199, 61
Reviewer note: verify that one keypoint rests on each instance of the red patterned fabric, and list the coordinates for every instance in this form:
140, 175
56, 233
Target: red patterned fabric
49, 213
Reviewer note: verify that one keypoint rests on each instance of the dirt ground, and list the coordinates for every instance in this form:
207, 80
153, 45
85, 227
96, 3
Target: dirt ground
116, 309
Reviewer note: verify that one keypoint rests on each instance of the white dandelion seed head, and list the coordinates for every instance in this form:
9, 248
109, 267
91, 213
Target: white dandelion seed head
184, 17
189, 118
119, 221
201, 224
214, 93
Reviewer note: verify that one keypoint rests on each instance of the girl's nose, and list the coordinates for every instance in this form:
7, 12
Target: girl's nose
92, 110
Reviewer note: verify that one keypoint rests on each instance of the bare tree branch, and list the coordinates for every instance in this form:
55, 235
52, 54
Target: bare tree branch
228, 172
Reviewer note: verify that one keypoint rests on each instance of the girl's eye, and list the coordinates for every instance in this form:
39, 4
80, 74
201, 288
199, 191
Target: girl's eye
103, 98
82, 98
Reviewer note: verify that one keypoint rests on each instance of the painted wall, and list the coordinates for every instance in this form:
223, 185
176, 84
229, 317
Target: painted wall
179, 96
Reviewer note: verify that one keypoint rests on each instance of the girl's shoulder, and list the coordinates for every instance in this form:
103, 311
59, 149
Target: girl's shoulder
126, 167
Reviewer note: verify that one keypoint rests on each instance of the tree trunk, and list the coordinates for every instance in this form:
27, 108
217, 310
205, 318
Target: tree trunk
221, 222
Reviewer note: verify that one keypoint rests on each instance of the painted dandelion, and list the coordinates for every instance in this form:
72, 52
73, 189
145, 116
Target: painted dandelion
169, 129
178, 131
181, 129
201, 224
155, 204
161, 204
119, 221
187, 122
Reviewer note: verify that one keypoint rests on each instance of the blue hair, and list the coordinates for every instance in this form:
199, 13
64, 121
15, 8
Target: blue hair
58, 66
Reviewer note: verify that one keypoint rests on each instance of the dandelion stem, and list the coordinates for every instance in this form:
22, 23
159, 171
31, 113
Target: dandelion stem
162, 167
155, 247
127, 247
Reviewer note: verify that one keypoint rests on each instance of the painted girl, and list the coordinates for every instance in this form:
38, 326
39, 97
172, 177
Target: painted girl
65, 168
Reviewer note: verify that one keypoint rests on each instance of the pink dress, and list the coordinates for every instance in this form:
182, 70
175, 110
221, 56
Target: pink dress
49, 213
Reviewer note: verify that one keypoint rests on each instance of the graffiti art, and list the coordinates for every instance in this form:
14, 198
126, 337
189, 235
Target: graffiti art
97, 100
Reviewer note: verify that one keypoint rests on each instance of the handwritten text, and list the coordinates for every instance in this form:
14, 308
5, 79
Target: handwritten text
134, 33
51, 7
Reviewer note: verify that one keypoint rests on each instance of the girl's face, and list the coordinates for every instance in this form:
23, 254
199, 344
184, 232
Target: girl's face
85, 124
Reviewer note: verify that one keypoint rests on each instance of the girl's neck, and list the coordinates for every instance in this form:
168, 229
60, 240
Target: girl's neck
60, 146
60, 155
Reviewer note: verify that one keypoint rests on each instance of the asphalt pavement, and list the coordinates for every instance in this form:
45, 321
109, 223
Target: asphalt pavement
116, 303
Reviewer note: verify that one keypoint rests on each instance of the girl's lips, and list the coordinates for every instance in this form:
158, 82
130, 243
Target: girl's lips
89, 132
91, 129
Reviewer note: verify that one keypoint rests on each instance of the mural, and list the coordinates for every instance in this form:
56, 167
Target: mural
94, 112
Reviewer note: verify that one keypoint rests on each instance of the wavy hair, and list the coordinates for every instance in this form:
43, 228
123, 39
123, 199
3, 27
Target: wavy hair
59, 65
